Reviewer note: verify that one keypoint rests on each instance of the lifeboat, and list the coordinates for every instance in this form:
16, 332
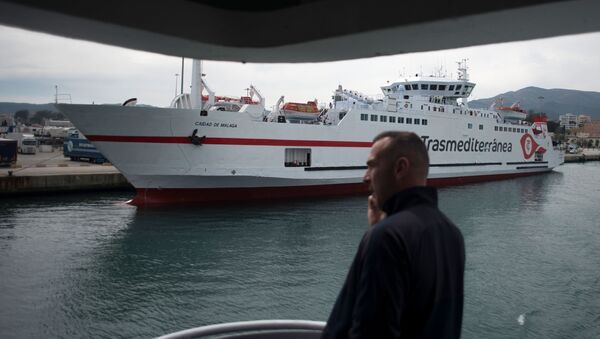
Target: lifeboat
512, 112
300, 111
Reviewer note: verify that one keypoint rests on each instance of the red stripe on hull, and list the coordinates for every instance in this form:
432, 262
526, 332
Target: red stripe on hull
229, 141
155, 196
456, 181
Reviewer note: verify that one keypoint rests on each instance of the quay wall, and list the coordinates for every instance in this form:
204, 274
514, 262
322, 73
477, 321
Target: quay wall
16, 185
581, 157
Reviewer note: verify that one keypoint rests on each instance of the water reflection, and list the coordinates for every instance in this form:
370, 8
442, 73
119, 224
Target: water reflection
180, 268
89, 266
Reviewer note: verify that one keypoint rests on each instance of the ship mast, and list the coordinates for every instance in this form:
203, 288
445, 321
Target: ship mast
463, 75
196, 91
462, 70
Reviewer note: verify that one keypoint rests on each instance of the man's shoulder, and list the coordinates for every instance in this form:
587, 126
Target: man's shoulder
415, 221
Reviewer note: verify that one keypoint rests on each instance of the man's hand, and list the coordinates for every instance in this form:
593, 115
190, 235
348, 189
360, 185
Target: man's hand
374, 214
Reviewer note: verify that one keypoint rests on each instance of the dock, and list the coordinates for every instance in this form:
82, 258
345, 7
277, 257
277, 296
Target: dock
586, 155
53, 173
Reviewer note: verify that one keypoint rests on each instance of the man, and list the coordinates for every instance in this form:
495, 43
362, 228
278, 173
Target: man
406, 280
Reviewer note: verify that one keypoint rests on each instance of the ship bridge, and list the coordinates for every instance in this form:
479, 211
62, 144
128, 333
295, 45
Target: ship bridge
428, 87
434, 87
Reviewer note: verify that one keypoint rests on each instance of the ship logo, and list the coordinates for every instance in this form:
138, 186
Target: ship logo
530, 147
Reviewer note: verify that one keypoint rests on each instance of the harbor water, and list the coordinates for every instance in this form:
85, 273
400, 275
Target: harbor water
90, 266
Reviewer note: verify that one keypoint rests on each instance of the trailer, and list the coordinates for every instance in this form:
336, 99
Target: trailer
77, 147
8, 152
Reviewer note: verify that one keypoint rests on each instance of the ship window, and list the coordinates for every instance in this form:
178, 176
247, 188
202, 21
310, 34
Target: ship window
424, 121
433, 87
341, 115
373, 117
470, 125
442, 87
414, 86
383, 118
417, 121
495, 128
458, 87
364, 117
456, 93
392, 119
421, 106
400, 120
505, 129
409, 120
451, 88
480, 127
424, 86
389, 90
297, 157
406, 97
407, 87
434, 108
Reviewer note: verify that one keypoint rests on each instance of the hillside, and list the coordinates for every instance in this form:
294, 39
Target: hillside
553, 102
12, 107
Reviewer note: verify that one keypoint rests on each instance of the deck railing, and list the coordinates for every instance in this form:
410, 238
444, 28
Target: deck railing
258, 329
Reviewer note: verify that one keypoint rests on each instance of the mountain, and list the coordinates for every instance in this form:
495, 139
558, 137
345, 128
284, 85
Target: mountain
12, 107
553, 102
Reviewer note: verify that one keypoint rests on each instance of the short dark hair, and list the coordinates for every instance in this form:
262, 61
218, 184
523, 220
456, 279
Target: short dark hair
407, 144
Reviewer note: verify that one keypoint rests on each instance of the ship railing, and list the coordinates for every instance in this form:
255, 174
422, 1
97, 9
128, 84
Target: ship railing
256, 329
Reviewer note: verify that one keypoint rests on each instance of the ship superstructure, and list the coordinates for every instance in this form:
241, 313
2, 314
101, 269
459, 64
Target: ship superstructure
196, 154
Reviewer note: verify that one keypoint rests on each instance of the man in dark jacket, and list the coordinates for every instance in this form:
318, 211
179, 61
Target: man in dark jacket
406, 280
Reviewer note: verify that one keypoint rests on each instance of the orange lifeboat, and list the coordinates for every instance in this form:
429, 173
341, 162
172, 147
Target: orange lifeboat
514, 107
300, 111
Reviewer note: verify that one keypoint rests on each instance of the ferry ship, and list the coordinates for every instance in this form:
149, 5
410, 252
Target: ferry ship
206, 149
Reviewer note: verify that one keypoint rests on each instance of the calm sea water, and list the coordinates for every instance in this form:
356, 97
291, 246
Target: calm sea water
87, 265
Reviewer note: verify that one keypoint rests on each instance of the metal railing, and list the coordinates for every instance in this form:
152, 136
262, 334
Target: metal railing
258, 329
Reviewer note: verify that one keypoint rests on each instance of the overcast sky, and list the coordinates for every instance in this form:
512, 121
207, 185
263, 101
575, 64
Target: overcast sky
31, 64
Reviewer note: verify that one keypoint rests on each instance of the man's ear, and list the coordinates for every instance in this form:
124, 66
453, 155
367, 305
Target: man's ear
401, 167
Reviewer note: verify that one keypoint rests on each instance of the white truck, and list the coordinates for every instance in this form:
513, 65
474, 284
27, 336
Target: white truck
26, 143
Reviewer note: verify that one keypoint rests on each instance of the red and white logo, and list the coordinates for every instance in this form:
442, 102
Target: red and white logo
529, 146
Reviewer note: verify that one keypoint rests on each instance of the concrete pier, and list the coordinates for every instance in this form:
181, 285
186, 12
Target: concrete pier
51, 172
586, 155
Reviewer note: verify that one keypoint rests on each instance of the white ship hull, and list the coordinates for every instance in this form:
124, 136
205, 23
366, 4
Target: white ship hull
242, 158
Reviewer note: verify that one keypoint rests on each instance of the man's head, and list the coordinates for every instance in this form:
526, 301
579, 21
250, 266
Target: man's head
398, 160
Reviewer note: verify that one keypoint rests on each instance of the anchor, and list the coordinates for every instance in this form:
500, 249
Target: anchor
195, 139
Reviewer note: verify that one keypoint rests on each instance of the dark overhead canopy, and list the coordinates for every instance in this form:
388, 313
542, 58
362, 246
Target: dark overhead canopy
301, 30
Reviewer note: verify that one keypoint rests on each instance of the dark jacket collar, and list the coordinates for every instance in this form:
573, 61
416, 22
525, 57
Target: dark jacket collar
410, 197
